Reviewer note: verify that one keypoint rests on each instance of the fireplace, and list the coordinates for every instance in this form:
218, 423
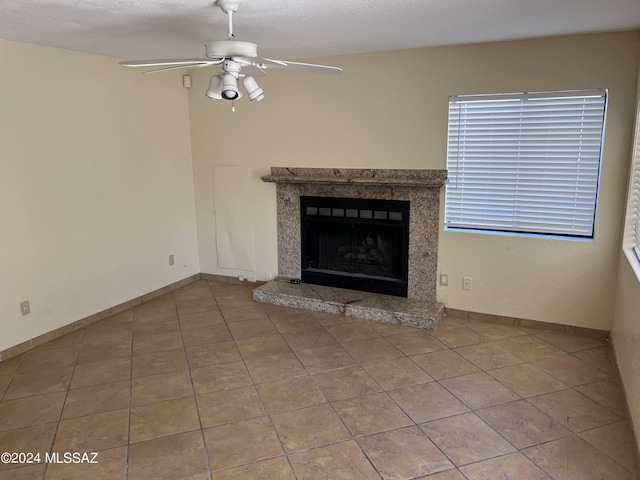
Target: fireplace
404, 208
355, 243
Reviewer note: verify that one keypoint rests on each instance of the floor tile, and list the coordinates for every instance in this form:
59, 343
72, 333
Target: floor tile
330, 318
100, 351
162, 419
243, 313
290, 394
22, 473
351, 332
575, 411
615, 441
404, 453
346, 383
38, 383
160, 387
219, 377
294, 321
239, 299
212, 354
201, 319
415, 341
479, 390
168, 458
207, 335
95, 432
457, 335
444, 364
530, 348
309, 427
466, 439
40, 360
488, 356
101, 372
159, 362
342, 461
512, 466
110, 464
197, 305
252, 328
36, 439
101, 398
228, 406
571, 370
522, 424
325, 358
156, 342
570, 343
599, 357
10, 366
527, 380
372, 350
427, 401
606, 392
396, 373
448, 475
572, 458
275, 468
274, 368
495, 331
241, 443
308, 338
163, 388
262, 346
30, 411
371, 414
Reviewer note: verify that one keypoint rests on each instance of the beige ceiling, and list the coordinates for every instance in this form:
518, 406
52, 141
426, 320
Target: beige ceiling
297, 29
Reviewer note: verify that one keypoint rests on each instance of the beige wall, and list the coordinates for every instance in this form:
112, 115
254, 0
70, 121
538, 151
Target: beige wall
389, 110
625, 331
96, 186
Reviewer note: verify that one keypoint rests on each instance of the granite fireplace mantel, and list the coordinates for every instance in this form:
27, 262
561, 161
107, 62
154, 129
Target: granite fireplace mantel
420, 187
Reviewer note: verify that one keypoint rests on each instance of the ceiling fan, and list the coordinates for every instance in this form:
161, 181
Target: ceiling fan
233, 56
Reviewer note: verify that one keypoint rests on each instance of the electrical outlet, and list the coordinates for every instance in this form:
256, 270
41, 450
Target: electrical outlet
466, 283
25, 308
172, 260
444, 280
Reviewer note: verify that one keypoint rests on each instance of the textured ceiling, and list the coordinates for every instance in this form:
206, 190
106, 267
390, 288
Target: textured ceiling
297, 29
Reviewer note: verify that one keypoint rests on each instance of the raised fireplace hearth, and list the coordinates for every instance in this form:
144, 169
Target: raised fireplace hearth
375, 249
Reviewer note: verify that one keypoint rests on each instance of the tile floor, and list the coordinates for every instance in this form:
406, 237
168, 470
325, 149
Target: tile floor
204, 383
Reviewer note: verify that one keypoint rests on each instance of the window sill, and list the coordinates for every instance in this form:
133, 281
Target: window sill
519, 234
633, 261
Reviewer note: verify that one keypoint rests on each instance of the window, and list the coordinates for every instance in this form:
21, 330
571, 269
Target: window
632, 221
526, 163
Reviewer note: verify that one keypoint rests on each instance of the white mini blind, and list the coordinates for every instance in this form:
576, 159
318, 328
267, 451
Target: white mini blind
525, 162
632, 220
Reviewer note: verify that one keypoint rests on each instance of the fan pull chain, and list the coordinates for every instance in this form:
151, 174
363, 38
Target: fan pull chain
233, 105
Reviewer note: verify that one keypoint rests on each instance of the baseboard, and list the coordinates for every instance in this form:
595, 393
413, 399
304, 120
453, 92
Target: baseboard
83, 322
525, 323
634, 437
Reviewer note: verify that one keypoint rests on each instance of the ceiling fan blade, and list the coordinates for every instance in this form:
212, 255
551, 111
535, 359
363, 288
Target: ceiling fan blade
179, 67
305, 67
170, 62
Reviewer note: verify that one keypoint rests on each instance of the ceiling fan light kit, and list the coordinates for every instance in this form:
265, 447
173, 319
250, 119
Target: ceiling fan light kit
233, 55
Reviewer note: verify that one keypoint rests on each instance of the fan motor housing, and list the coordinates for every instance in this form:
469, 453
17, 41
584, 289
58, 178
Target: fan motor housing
231, 48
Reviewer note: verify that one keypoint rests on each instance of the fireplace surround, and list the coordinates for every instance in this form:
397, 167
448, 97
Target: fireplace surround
420, 188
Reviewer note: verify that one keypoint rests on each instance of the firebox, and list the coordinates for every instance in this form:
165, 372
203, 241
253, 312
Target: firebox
355, 243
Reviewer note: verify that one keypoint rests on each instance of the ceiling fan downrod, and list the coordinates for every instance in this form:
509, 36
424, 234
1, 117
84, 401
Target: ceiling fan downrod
228, 7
